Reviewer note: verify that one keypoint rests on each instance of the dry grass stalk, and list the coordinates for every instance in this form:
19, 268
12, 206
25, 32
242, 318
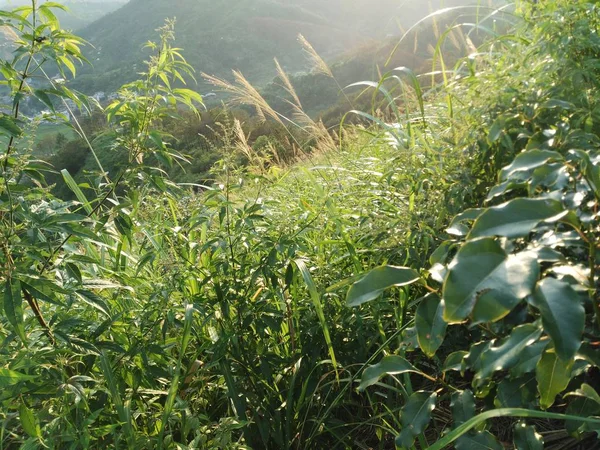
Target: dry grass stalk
243, 93
319, 64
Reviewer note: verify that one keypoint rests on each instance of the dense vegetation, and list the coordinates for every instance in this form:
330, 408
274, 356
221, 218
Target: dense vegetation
424, 278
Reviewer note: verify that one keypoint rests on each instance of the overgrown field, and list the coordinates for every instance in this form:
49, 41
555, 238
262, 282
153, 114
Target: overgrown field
423, 278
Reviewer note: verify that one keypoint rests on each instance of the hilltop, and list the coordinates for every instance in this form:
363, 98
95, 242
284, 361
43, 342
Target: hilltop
217, 37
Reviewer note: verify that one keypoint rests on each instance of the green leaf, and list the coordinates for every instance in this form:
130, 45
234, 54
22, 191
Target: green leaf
586, 391
94, 301
582, 407
553, 376
483, 440
9, 126
563, 315
389, 365
377, 281
13, 306
10, 378
507, 355
497, 128
454, 361
430, 324
72, 184
483, 272
462, 406
526, 438
29, 422
415, 417
504, 412
516, 393
43, 97
517, 218
530, 159
529, 359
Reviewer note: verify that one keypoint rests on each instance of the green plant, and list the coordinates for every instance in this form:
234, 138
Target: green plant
519, 277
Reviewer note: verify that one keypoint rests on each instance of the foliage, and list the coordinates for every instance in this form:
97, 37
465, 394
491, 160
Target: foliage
519, 274
315, 291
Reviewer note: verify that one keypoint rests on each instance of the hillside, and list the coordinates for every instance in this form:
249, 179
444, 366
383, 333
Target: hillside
81, 12
218, 37
426, 278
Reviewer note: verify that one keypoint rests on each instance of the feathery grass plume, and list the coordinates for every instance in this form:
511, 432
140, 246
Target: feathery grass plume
299, 115
454, 39
243, 93
287, 84
319, 64
242, 142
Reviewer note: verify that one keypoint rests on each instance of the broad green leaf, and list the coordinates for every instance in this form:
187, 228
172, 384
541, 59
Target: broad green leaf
415, 417
507, 355
457, 227
582, 407
516, 393
10, 378
530, 159
497, 128
553, 375
563, 315
483, 271
517, 218
13, 306
483, 440
454, 361
28, 421
462, 406
529, 358
430, 324
586, 391
377, 281
526, 438
389, 365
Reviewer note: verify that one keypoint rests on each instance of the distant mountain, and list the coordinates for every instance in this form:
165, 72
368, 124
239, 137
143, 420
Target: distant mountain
81, 12
220, 35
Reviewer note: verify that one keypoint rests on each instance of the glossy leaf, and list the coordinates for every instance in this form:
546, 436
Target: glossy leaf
462, 406
483, 271
553, 375
530, 160
529, 358
516, 218
563, 315
507, 354
430, 324
415, 417
377, 281
478, 441
389, 365
526, 438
